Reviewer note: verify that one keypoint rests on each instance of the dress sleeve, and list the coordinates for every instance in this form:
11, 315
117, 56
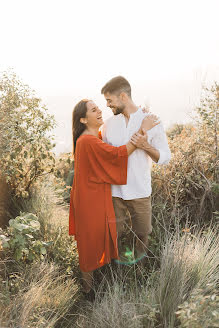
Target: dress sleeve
107, 163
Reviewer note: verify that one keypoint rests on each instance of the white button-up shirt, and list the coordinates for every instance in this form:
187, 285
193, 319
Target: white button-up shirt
116, 132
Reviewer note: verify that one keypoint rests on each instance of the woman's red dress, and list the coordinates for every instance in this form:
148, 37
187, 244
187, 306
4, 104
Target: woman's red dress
91, 217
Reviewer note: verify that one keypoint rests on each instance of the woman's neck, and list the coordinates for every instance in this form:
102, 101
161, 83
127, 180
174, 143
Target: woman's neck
92, 131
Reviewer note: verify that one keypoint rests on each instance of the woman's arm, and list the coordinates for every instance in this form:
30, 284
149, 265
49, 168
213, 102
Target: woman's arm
149, 122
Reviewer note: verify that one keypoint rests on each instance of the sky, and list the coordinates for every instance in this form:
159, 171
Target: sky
67, 50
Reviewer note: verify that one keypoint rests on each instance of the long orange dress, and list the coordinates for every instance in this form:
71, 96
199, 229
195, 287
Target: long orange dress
91, 216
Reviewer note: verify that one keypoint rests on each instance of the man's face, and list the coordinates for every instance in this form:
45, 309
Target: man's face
115, 103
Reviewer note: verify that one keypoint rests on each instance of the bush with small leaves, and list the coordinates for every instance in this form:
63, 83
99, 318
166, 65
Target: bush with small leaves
25, 141
22, 237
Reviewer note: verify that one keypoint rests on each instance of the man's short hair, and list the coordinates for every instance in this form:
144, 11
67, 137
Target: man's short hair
117, 85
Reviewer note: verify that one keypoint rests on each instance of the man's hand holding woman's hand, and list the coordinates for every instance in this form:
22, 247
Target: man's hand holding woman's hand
140, 139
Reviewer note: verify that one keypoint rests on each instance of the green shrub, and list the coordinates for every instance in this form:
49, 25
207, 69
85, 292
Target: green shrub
23, 238
25, 139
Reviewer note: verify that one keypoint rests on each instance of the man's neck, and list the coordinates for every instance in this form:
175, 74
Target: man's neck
130, 108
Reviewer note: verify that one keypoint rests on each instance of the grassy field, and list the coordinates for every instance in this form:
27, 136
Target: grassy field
175, 288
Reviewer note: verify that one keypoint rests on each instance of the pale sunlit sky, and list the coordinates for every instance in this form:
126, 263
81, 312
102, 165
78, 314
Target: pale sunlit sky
67, 50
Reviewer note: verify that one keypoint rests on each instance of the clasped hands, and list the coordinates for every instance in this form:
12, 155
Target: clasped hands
140, 138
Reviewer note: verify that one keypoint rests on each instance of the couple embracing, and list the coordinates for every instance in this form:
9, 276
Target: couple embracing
112, 178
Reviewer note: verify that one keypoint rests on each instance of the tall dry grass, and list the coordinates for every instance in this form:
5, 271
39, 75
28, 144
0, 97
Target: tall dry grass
188, 262
43, 299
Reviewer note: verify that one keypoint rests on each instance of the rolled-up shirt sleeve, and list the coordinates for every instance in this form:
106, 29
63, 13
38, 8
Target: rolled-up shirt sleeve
159, 142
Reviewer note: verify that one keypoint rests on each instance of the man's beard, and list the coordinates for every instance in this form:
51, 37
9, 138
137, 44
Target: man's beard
118, 110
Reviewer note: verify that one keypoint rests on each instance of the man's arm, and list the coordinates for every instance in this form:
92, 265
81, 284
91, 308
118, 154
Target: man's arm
141, 141
158, 148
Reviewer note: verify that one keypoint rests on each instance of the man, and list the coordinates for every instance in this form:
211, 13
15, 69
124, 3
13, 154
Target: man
135, 196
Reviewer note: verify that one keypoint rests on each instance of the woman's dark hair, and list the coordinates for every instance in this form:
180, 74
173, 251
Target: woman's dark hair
79, 112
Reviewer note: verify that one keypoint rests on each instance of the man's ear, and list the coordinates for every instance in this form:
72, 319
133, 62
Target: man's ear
123, 96
83, 120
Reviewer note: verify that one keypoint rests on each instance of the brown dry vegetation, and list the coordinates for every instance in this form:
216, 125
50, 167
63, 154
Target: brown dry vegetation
4, 202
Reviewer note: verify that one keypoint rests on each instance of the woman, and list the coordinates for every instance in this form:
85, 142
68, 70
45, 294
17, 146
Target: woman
97, 166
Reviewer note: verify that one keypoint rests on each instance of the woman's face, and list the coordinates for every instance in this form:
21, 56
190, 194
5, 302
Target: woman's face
93, 115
